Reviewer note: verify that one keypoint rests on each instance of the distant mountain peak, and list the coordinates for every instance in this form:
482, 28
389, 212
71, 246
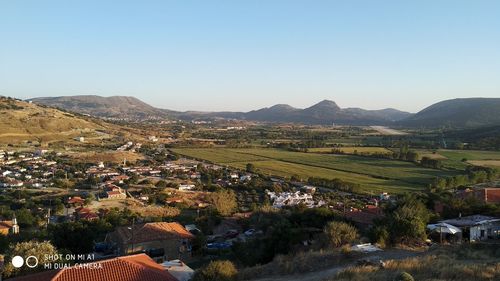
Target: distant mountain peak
282, 106
326, 104
117, 107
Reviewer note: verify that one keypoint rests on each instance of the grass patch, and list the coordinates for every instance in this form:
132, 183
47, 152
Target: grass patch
373, 174
352, 150
465, 263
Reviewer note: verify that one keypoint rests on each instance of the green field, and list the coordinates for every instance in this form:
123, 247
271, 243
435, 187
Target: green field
453, 158
351, 149
374, 175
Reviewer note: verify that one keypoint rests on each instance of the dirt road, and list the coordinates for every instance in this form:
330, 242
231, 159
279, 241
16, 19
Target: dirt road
330, 272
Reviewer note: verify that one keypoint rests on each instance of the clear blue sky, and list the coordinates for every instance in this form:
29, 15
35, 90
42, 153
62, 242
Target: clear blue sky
242, 55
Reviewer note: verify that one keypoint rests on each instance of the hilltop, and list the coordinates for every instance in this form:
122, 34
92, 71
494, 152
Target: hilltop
24, 121
115, 107
457, 113
326, 112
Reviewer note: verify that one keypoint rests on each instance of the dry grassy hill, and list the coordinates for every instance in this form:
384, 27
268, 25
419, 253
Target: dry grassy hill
22, 121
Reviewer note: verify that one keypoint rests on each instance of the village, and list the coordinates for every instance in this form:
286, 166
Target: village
181, 211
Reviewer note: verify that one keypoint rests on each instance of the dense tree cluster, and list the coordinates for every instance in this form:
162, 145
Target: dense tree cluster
405, 222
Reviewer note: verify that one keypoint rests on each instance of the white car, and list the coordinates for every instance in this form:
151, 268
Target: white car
250, 232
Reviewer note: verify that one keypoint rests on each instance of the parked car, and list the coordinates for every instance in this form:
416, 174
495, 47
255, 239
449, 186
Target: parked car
214, 238
250, 232
218, 246
232, 233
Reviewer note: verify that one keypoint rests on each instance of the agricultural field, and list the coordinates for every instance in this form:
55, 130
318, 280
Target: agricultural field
459, 159
352, 150
374, 175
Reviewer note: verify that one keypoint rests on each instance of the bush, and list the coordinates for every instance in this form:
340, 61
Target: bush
224, 201
340, 233
217, 271
404, 276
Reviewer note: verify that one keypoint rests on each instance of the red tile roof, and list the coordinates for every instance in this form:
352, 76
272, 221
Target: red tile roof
83, 210
153, 231
75, 200
114, 193
5, 224
130, 268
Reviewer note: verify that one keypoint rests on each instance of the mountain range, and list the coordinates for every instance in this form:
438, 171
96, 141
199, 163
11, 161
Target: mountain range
456, 113
119, 107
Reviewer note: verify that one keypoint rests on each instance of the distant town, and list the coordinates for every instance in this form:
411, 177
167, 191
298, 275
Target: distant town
204, 198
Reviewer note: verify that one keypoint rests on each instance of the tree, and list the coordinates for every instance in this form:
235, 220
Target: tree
40, 250
340, 233
407, 220
412, 156
161, 184
78, 237
25, 218
250, 168
217, 271
224, 201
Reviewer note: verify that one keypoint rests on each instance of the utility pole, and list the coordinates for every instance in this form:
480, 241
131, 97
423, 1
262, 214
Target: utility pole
48, 218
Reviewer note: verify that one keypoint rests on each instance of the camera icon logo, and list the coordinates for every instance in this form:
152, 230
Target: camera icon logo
30, 261
17, 261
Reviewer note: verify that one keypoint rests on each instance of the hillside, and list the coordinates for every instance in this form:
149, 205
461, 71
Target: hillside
457, 113
115, 107
23, 121
326, 112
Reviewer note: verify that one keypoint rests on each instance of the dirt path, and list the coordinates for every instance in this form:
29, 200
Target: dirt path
330, 272
388, 131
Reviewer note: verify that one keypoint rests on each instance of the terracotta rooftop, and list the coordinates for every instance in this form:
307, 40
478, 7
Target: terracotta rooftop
83, 210
152, 231
114, 193
130, 268
5, 224
75, 200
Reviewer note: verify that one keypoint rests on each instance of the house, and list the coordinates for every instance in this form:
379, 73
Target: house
245, 178
186, 187
116, 195
76, 201
309, 189
485, 194
161, 240
9, 227
171, 200
477, 227
364, 218
138, 267
120, 178
293, 198
114, 192
85, 214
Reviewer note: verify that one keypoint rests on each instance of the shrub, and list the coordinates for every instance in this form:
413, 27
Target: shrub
217, 271
340, 233
404, 276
